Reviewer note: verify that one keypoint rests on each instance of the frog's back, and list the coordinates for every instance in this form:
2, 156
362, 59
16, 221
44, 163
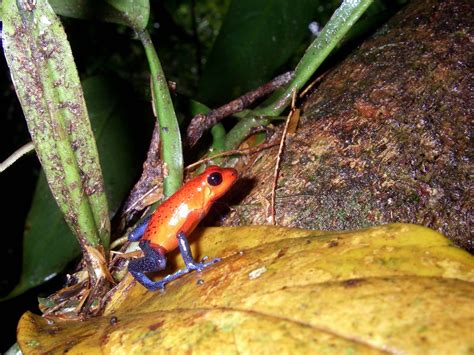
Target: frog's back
181, 212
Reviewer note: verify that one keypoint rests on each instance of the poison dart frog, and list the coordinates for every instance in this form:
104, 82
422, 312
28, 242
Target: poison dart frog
173, 221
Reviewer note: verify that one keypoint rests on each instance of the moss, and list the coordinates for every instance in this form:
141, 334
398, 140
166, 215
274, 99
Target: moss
383, 139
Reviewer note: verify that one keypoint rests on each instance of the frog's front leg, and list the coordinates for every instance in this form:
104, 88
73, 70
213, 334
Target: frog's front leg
154, 260
189, 261
137, 233
187, 255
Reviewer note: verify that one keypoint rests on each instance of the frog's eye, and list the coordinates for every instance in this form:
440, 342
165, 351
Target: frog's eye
214, 179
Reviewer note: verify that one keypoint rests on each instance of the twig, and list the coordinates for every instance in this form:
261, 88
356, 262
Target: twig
118, 242
129, 255
28, 147
152, 172
202, 122
314, 82
280, 151
250, 150
136, 204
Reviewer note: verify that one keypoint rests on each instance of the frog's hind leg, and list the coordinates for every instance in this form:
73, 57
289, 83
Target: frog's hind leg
154, 260
191, 264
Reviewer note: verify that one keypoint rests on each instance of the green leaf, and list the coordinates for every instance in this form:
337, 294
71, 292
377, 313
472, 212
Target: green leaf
332, 34
122, 129
47, 84
132, 13
49, 244
255, 40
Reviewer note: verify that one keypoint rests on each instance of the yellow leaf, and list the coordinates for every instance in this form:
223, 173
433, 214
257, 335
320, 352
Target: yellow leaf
396, 288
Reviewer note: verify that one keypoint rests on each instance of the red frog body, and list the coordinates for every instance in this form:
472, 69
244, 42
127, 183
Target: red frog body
173, 221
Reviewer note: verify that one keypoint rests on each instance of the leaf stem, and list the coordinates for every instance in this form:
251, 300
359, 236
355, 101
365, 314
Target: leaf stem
170, 136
